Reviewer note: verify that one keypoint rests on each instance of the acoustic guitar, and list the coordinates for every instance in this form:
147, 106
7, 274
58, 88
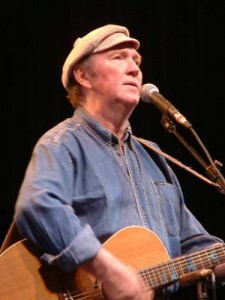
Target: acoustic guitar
23, 277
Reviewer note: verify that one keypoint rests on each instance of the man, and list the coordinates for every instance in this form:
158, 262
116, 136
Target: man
89, 177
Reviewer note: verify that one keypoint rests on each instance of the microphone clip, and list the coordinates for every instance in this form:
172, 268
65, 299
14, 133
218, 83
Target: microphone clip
168, 124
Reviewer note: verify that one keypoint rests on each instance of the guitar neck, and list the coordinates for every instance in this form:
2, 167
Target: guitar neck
170, 271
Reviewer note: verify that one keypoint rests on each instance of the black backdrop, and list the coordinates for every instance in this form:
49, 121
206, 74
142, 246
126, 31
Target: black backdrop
182, 43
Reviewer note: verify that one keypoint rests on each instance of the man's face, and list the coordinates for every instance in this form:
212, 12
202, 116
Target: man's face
115, 76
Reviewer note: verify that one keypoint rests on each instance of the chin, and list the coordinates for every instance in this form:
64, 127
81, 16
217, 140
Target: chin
132, 102
134, 99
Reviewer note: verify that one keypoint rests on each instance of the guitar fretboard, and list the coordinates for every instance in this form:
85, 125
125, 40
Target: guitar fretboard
170, 271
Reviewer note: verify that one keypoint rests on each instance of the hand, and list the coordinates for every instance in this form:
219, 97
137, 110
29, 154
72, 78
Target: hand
124, 283
220, 270
119, 282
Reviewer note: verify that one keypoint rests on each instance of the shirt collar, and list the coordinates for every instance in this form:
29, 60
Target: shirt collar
86, 120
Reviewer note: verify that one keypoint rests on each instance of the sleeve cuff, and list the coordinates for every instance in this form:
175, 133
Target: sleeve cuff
82, 248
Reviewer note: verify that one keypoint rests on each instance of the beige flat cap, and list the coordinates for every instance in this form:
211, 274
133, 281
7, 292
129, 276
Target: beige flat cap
100, 39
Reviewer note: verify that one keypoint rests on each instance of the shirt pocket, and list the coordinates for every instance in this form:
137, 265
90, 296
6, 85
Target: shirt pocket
168, 204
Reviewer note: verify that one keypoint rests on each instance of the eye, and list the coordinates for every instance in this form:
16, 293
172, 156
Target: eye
117, 56
137, 61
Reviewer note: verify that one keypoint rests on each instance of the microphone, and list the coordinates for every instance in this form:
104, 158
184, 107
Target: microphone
150, 94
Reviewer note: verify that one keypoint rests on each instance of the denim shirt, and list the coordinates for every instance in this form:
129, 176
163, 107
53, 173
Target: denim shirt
80, 188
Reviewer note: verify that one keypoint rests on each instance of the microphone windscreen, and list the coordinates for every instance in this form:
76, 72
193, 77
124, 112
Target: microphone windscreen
146, 91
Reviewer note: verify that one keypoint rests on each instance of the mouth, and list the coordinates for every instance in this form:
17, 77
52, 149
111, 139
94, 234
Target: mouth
133, 84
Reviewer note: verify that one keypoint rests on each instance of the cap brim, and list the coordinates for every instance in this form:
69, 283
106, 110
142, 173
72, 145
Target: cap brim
114, 40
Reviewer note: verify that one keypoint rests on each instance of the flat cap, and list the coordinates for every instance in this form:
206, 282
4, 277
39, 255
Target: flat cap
100, 39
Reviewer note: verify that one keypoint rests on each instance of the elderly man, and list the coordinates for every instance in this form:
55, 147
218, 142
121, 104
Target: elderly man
89, 177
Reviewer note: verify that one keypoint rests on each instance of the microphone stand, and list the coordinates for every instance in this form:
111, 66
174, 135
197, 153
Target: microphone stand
202, 289
215, 175
212, 168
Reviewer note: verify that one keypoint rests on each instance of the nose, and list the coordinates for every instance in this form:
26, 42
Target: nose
133, 67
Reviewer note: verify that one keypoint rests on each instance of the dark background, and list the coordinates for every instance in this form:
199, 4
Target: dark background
182, 43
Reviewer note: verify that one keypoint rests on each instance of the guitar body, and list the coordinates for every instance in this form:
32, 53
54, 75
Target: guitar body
23, 277
136, 246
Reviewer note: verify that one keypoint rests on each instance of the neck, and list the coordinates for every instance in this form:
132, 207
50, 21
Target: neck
116, 122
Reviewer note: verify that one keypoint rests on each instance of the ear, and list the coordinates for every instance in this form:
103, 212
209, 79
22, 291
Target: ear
81, 76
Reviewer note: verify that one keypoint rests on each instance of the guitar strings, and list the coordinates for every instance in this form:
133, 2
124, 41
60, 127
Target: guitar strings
171, 269
92, 295
84, 295
159, 279
154, 278
190, 263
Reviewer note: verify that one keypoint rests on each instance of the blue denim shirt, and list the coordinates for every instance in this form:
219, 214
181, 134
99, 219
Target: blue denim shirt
79, 189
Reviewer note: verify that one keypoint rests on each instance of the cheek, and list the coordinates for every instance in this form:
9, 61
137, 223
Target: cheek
112, 79
113, 73
140, 77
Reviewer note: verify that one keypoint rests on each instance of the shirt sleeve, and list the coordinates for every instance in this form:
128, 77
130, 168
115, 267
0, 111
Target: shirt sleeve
44, 212
193, 236
81, 247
